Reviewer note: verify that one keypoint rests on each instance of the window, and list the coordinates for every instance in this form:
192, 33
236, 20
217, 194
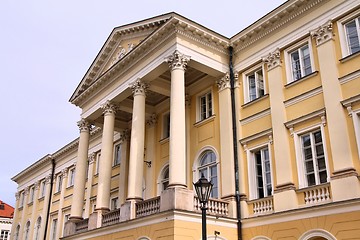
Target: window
21, 199
254, 85
166, 125
31, 196
37, 229
205, 106
59, 183
71, 177
352, 33
313, 157
164, 178
114, 203
42, 189
17, 232
27, 229
4, 235
208, 168
260, 174
117, 154
300, 62
53, 229
98, 158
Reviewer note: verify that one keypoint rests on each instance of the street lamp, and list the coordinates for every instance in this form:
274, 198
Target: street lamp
203, 189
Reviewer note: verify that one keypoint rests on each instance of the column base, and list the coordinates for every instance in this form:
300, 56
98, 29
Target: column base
127, 210
177, 198
285, 197
69, 228
177, 185
75, 219
345, 185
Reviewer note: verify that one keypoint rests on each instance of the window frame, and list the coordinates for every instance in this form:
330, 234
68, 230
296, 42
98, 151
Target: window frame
31, 194
303, 183
4, 234
114, 203
202, 94
42, 188
287, 54
59, 182
98, 158
54, 224
245, 79
342, 32
71, 178
117, 154
252, 170
161, 180
165, 125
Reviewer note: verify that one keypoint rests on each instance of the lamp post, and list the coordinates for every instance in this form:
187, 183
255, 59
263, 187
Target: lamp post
203, 189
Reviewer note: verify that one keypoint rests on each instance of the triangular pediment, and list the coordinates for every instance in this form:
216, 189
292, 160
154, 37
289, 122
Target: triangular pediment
122, 41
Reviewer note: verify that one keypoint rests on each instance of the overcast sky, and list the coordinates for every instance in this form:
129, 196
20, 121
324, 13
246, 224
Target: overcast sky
47, 46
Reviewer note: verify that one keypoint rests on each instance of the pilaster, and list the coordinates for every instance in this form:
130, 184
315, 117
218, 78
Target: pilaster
150, 155
124, 167
91, 163
64, 174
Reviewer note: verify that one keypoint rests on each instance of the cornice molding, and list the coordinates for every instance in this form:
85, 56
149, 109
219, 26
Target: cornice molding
303, 96
319, 113
254, 117
253, 137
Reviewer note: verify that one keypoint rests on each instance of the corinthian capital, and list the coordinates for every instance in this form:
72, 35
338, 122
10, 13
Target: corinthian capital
177, 60
224, 82
91, 158
139, 87
83, 125
323, 33
272, 60
125, 135
151, 122
109, 107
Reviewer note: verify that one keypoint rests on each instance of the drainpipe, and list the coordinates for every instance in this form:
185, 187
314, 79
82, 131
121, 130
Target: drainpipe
50, 194
236, 161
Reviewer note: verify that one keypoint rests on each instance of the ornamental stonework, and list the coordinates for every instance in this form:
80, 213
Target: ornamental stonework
48, 179
37, 185
139, 87
108, 107
151, 122
125, 135
177, 60
84, 126
224, 82
65, 172
323, 33
91, 158
272, 60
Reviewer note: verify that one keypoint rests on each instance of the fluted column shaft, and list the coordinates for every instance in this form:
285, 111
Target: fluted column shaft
91, 158
177, 145
80, 174
104, 183
124, 166
137, 141
34, 207
59, 229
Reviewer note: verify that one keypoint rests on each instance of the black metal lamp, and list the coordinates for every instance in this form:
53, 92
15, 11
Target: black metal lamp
203, 189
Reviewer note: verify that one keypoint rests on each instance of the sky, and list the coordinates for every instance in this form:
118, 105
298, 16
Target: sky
46, 48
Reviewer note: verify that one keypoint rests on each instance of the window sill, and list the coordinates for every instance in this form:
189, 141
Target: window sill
164, 140
349, 57
290, 84
41, 198
205, 121
30, 203
255, 100
57, 193
115, 166
69, 187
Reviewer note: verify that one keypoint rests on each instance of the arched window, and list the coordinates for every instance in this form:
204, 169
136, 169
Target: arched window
208, 167
27, 230
317, 234
163, 179
37, 228
17, 231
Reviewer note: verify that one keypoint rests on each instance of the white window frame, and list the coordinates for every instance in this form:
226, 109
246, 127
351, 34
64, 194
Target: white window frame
22, 199
299, 153
31, 194
42, 188
342, 32
4, 234
356, 122
98, 158
161, 180
27, 230
288, 51
71, 178
54, 224
252, 170
59, 182
37, 228
196, 166
245, 77
165, 125
198, 104
116, 154
112, 205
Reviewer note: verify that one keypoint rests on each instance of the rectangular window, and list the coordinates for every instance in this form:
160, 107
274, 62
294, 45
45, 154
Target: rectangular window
255, 85
31, 196
42, 189
53, 229
352, 32
206, 106
98, 158
300, 62
4, 235
71, 177
66, 219
59, 183
314, 158
166, 125
21, 199
117, 154
114, 203
262, 173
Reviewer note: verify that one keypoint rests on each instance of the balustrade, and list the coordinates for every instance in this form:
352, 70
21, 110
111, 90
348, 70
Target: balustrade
82, 226
148, 207
214, 207
111, 217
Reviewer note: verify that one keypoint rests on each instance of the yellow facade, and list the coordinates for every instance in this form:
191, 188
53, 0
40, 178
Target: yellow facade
157, 113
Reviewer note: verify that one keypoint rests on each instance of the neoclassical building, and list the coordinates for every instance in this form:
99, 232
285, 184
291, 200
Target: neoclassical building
271, 116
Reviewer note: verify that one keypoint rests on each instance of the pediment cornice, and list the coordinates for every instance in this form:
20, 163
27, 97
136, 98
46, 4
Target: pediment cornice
174, 25
271, 22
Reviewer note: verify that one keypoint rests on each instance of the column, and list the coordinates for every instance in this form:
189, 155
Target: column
59, 229
16, 213
124, 166
137, 141
104, 182
150, 155
91, 159
177, 146
34, 211
284, 193
344, 170
45, 206
80, 174
24, 213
